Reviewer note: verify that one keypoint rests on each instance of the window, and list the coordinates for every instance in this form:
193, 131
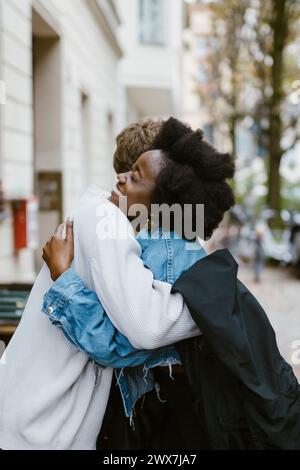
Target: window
84, 143
209, 133
205, 46
202, 47
151, 22
202, 77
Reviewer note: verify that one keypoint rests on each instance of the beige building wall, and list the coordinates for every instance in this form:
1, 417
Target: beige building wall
16, 132
75, 73
59, 61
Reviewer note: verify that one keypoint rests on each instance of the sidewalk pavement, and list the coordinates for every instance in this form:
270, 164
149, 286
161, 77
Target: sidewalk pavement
279, 294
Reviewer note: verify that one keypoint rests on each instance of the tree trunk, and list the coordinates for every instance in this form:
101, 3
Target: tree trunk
274, 197
280, 30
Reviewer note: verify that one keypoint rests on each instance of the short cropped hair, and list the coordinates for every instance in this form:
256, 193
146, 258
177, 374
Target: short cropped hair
133, 141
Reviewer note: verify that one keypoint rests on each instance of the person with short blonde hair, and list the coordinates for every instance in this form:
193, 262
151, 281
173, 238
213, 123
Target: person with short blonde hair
133, 141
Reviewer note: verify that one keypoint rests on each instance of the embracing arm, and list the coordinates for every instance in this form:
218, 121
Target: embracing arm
74, 308
141, 308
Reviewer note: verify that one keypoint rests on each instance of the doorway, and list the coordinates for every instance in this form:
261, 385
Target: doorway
47, 115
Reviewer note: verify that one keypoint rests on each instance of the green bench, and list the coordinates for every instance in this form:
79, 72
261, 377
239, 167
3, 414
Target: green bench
12, 304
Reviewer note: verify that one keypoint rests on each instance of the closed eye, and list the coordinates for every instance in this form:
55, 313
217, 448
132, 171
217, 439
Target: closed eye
135, 175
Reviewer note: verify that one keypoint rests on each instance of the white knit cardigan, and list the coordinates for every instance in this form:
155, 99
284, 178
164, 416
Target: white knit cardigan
51, 395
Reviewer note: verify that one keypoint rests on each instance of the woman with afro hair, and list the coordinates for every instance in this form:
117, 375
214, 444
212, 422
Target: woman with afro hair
181, 169
193, 172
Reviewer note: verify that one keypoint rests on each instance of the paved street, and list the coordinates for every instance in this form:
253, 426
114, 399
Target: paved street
279, 294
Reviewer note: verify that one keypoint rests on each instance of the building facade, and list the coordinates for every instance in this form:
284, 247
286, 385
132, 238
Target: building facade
197, 80
151, 68
73, 73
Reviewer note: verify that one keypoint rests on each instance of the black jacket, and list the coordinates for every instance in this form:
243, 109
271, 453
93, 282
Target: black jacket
246, 395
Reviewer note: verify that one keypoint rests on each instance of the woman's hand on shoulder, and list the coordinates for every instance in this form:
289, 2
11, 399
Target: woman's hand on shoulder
58, 252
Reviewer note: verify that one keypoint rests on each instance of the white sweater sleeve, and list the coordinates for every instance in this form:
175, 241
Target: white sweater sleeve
142, 309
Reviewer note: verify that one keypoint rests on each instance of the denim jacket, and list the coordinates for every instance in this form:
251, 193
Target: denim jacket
78, 311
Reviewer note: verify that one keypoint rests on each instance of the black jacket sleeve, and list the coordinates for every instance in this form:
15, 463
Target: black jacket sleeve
241, 337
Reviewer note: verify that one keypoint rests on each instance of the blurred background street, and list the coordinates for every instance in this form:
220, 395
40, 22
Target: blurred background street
73, 73
279, 294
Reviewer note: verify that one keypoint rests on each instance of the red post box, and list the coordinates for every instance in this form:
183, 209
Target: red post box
25, 223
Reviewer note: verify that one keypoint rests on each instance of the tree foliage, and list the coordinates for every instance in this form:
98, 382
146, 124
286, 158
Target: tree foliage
254, 66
